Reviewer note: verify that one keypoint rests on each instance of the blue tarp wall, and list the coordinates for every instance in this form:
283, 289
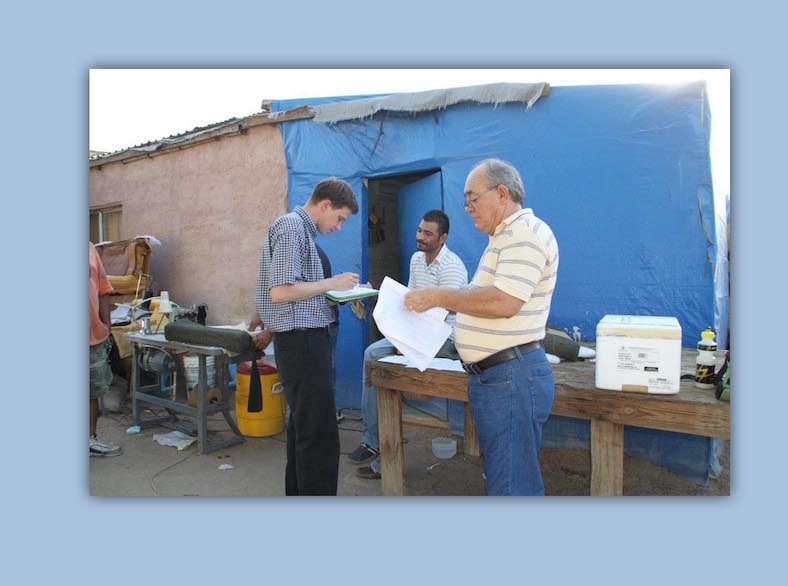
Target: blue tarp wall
621, 173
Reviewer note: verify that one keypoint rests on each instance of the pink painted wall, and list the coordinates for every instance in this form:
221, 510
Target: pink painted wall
210, 205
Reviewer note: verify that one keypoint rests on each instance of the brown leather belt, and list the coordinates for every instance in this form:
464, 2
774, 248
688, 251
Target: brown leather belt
499, 357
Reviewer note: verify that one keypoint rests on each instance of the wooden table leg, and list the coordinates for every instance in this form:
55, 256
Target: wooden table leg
607, 458
471, 441
392, 452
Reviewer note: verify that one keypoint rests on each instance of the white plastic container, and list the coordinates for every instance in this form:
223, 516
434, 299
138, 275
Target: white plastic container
639, 353
191, 368
444, 447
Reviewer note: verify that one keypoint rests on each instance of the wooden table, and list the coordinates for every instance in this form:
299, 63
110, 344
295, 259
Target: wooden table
693, 411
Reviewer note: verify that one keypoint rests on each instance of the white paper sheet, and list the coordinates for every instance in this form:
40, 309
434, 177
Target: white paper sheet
175, 438
436, 363
418, 336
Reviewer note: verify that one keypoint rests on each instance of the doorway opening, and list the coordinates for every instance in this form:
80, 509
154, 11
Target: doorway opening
395, 205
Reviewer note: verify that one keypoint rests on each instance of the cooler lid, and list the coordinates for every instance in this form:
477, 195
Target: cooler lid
640, 326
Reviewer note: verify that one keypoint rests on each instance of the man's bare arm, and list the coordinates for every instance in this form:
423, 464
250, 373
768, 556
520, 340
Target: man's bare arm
482, 302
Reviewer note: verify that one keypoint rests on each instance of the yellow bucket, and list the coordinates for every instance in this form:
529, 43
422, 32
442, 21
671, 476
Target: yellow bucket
269, 421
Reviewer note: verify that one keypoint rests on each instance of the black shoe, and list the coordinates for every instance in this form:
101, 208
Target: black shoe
363, 454
368, 473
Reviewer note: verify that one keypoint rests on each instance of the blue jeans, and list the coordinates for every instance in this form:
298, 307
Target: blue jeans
510, 403
369, 397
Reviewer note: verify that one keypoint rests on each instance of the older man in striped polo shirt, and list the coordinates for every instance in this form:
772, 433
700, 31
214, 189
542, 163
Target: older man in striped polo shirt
501, 322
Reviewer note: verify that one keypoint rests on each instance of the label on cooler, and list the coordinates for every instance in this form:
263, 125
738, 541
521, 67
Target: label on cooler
646, 360
639, 359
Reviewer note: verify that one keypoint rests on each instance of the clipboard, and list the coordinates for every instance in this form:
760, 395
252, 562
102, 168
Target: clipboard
351, 294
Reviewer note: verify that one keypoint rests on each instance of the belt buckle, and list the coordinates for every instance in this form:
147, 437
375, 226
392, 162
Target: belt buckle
471, 368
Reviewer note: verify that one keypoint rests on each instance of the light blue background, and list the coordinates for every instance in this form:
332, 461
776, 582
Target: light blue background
55, 532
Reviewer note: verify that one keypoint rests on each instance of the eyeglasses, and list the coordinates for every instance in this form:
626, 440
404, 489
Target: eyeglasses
471, 203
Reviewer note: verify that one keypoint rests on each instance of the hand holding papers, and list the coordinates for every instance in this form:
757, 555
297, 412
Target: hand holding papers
356, 292
418, 336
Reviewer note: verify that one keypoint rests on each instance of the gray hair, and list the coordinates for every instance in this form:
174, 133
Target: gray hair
500, 172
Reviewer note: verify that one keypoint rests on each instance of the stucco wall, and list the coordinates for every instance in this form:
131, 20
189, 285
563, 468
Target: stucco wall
210, 206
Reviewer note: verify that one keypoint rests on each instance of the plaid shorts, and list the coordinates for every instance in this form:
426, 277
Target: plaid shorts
100, 371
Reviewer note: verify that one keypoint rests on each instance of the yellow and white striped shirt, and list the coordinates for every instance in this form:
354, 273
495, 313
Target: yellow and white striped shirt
521, 259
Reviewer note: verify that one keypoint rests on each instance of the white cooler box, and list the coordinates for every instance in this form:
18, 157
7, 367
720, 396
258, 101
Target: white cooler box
639, 353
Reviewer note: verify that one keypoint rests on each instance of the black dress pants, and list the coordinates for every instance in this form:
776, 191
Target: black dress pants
304, 362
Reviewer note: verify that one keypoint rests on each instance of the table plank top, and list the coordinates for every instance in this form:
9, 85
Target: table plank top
692, 410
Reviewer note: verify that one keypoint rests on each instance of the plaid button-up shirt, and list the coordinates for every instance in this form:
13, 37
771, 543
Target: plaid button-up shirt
289, 256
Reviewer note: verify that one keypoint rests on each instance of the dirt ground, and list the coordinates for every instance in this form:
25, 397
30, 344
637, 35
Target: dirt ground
256, 467
568, 473
565, 472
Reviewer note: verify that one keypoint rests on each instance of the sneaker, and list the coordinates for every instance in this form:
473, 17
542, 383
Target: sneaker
368, 473
363, 454
340, 417
99, 447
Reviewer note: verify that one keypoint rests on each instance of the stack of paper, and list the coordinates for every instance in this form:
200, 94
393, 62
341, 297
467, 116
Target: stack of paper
435, 363
418, 336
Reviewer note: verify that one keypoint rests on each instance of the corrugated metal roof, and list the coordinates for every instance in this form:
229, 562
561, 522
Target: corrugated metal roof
155, 145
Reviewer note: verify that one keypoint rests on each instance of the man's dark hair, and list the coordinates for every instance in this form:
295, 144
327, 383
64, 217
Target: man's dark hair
338, 192
439, 218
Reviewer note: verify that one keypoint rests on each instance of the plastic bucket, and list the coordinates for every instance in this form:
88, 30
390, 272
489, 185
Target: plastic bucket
191, 368
269, 421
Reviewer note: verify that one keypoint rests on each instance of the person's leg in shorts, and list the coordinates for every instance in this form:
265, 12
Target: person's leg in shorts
100, 381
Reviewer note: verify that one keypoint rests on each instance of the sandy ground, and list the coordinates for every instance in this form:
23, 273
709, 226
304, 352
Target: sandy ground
256, 467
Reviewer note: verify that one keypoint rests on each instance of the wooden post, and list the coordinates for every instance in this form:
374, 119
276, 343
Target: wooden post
392, 452
471, 440
607, 458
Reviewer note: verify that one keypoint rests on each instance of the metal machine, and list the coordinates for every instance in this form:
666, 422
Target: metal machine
157, 366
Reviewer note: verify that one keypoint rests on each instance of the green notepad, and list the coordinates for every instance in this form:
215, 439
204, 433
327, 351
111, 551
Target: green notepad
350, 294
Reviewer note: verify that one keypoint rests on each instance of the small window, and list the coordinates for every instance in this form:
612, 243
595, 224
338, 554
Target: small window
105, 224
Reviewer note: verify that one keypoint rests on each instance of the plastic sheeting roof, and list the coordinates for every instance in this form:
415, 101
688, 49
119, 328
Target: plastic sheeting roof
496, 93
